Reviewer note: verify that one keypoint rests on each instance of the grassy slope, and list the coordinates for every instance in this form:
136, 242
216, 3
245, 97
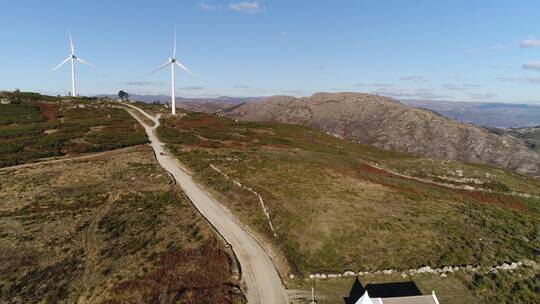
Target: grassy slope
334, 212
108, 230
36, 126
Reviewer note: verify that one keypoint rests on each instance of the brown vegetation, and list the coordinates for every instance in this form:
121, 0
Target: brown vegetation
85, 230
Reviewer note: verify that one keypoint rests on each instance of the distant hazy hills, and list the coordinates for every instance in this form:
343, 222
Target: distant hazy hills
386, 123
207, 105
493, 115
496, 115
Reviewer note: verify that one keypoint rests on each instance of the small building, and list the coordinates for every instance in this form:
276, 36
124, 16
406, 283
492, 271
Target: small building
388, 293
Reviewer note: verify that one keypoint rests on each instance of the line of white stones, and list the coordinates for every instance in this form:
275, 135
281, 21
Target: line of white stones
261, 201
426, 269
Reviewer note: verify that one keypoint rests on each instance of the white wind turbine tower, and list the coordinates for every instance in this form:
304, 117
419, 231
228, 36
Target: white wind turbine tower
73, 58
173, 61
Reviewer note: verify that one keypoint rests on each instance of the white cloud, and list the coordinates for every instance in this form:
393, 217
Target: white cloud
142, 83
242, 86
208, 7
461, 87
529, 43
522, 80
533, 65
413, 78
498, 47
501, 47
295, 92
246, 7
193, 88
410, 94
483, 96
383, 85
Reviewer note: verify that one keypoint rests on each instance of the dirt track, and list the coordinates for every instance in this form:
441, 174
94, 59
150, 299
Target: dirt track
259, 275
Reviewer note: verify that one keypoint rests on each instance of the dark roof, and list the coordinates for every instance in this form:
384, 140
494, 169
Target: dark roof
382, 290
393, 290
357, 291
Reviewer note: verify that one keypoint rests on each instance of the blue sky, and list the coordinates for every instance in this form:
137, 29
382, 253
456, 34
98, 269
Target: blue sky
482, 50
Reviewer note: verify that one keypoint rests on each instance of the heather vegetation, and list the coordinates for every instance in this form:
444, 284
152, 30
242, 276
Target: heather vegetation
34, 127
111, 229
335, 209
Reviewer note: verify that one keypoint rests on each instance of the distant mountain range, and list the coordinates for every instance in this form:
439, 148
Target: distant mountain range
207, 105
492, 115
386, 123
495, 115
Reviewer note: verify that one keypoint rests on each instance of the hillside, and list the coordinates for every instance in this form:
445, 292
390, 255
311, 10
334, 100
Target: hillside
110, 229
34, 127
331, 205
530, 135
388, 124
493, 115
105, 227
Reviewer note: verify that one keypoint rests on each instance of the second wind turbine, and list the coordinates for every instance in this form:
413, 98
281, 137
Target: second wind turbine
172, 62
73, 59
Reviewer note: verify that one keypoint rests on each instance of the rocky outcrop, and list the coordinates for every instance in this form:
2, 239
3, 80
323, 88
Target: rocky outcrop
386, 123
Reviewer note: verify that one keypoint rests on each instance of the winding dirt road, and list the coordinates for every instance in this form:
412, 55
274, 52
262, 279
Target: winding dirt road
259, 275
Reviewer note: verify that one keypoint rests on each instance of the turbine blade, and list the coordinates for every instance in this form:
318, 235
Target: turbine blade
174, 46
161, 67
84, 61
71, 43
61, 64
184, 68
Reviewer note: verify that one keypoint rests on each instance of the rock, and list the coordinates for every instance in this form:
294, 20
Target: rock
424, 269
505, 266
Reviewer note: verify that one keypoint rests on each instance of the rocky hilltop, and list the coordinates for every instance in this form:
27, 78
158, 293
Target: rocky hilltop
386, 123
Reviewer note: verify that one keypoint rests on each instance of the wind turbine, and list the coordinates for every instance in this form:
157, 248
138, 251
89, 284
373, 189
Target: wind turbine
172, 62
73, 58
